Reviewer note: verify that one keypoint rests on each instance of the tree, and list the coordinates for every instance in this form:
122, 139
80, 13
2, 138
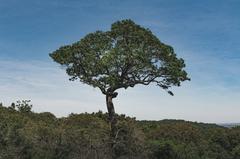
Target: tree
123, 57
23, 106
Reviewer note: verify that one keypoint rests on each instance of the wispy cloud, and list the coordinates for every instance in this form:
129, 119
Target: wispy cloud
49, 88
43, 83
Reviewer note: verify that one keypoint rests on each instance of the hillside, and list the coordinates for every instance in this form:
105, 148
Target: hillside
28, 135
230, 125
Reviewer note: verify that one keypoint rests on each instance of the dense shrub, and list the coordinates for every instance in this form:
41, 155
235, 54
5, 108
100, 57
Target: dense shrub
28, 135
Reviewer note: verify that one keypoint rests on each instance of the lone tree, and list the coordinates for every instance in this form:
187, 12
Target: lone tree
123, 57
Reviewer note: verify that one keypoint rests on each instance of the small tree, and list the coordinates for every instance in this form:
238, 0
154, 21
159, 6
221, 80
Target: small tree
23, 106
12, 106
123, 57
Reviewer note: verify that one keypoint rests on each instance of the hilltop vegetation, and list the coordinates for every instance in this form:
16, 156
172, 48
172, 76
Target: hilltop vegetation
28, 135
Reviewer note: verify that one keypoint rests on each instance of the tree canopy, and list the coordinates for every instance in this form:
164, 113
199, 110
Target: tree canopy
123, 57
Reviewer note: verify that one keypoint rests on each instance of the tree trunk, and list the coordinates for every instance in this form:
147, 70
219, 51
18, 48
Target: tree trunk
111, 114
112, 120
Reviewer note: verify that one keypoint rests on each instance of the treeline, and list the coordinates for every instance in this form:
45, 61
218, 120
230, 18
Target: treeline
28, 135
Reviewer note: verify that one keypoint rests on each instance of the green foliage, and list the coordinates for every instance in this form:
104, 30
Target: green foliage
23, 106
123, 57
163, 150
86, 136
236, 152
187, 140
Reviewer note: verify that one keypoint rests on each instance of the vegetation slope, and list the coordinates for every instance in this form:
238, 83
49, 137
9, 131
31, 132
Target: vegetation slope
28, 135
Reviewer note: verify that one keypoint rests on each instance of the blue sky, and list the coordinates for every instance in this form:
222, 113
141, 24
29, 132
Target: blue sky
204, 33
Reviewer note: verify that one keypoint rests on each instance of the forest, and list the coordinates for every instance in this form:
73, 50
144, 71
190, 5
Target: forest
25, 134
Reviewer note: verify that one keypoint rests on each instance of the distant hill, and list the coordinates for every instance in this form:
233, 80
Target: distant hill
230, 125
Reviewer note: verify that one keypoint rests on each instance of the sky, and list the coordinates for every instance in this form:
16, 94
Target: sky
204, 33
